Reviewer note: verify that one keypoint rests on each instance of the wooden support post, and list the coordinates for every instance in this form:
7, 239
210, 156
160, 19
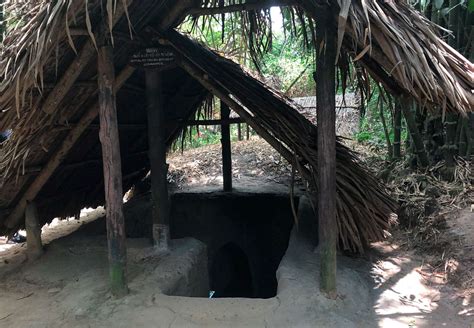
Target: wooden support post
33, 232
248, 131
226, 148
109, 138
239, 132
157, 155
326, 120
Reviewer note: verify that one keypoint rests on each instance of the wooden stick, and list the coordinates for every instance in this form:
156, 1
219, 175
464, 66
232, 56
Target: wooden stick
157, 155
326, 120
58, 157
226, 148
109, 138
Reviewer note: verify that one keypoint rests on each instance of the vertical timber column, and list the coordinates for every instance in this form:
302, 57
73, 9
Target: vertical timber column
326, 120
226, 147
33, 232
157, 155
109, 138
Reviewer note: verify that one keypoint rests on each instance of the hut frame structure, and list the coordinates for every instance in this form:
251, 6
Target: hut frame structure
71, 63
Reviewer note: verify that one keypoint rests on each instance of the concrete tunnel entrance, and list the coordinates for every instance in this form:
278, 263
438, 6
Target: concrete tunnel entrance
246, 235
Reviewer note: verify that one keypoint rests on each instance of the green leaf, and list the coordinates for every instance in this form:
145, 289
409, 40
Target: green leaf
470, 6
439, 3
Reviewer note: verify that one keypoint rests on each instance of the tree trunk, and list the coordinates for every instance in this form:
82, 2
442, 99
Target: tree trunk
418, 146
385, 130
326, 120
157, 155
109, 138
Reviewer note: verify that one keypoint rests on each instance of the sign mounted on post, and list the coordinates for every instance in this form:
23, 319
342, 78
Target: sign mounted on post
154, 57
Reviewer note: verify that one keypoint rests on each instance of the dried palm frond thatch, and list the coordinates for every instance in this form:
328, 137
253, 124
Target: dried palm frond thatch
396, 44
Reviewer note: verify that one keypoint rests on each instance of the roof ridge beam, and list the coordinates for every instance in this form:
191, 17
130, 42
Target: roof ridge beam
248, 6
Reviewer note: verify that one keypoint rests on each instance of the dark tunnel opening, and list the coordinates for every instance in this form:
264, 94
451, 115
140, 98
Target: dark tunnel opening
230, 274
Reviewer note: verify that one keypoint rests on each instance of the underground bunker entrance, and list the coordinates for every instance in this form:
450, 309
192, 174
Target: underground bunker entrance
246, 235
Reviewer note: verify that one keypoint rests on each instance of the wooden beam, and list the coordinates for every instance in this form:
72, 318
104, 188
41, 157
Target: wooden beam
248, 6
109, 138
157, 154
131, 127
33, 232
79, 164
59, 155
326, 121
226, 148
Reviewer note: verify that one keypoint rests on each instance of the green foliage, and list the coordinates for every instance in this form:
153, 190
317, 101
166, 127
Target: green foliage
288, 67
371, 131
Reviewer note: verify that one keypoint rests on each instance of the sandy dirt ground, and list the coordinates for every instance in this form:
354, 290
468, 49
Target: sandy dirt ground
404, 291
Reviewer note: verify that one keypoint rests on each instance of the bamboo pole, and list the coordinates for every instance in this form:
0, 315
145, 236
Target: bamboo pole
109, 138
326, 120
157, 155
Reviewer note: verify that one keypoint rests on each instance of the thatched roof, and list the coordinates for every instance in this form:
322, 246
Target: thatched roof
48, 67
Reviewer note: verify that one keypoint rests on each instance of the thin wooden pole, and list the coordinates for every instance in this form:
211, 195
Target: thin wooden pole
239, 132
248, 132
226, 148
326, 120
397, 129
33, 232
109, 138
157, 155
